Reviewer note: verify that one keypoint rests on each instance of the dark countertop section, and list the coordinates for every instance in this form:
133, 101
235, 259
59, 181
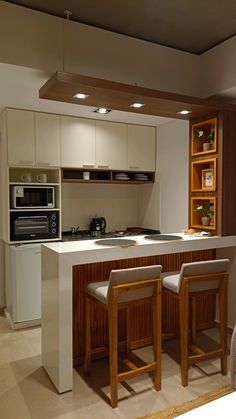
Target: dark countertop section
87, 235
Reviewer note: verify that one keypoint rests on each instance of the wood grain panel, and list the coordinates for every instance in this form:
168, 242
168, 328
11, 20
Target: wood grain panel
113, 95
141, 318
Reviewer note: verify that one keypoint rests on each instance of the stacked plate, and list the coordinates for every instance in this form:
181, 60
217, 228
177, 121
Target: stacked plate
121, 176
141, 176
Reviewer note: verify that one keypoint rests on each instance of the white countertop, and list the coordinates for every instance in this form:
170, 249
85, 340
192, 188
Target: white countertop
92, 252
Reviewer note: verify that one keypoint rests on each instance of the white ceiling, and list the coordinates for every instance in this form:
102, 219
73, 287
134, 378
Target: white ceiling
19, 87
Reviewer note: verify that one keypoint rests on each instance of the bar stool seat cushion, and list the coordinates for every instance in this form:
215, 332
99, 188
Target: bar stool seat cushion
98, 290
171, 282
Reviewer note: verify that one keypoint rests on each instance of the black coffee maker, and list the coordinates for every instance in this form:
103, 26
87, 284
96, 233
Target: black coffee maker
97, 226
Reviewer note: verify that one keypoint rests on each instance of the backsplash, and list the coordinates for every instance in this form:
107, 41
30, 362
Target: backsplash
117, 203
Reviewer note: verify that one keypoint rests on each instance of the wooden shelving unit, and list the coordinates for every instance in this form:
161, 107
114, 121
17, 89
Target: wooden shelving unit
105, 176
204, 182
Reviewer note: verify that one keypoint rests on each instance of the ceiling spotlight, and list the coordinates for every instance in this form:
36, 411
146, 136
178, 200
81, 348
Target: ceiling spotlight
102, 110
80, 96
137, 105
184, 112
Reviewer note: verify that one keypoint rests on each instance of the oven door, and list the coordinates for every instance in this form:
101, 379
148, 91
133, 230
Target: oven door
25, 226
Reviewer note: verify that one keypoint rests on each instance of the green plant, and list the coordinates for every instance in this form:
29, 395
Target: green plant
205, 135
205, 211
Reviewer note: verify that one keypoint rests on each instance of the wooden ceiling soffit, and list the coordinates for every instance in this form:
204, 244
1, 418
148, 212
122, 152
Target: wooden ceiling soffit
118, 96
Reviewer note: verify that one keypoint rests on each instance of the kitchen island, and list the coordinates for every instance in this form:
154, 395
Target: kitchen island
62, 305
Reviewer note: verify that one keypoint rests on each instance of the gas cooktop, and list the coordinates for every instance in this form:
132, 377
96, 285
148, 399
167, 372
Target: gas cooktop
86, 235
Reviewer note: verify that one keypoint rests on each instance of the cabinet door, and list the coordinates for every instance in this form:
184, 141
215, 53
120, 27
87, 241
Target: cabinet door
47, 134
111, 145
141, 148
77, 142
21, 137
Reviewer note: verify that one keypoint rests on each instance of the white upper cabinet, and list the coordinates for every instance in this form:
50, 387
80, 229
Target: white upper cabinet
77, 142
141, 148
111, 145
47, 135
21, 137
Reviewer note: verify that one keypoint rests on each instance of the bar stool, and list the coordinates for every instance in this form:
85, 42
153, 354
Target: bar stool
126, 286
195, 279
233, 359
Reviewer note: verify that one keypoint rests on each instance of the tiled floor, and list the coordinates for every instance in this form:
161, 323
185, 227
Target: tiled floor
27, 393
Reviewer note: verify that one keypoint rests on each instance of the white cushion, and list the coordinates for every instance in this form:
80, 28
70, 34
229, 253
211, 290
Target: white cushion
98, 290
171, 282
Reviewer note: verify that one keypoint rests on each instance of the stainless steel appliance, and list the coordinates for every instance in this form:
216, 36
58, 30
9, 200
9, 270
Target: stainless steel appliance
34, 225
30, 196
97, 226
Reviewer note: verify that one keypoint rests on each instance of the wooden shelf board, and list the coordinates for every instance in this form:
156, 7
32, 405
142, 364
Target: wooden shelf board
125, 182
201, 153
202, 227
204, 190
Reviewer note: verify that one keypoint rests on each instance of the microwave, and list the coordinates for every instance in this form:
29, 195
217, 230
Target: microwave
29, 196
34, 225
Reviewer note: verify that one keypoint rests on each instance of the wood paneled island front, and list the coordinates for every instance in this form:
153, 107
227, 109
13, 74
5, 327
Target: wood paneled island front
66, 267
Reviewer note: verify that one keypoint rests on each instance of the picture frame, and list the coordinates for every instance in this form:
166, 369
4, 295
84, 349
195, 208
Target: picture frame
207, 179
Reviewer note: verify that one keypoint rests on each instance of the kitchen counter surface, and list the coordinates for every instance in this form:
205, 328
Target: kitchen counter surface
58, 259
144, 247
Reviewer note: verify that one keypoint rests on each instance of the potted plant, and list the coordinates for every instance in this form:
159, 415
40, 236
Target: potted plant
206, 213
208, 138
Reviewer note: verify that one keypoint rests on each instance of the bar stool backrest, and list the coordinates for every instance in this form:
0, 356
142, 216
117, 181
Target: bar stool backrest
203, 268
129, 275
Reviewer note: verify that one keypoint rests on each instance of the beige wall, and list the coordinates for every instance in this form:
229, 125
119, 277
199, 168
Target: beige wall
34, 39
117, 203
217, 69
172, 175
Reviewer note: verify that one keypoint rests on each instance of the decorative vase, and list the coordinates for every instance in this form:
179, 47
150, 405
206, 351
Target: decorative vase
206, 221
206, 146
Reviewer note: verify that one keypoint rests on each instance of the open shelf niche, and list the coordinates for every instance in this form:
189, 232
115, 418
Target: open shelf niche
204, 137
203, 175
208, 202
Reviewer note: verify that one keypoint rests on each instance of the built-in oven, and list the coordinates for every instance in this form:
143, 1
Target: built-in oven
32, 196
34, 225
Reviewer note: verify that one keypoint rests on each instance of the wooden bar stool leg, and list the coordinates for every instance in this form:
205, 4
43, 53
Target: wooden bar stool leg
157, 341
87, 360
128, 330
113, 347
183, 325
223, 309
193, 320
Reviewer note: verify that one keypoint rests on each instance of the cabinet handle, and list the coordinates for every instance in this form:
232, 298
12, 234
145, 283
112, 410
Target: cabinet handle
26, 161
134, 167
88, 165
103, 166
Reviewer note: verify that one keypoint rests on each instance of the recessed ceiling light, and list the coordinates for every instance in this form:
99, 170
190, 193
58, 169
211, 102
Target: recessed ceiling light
137, 105
184, 112
80, 95
102, 110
